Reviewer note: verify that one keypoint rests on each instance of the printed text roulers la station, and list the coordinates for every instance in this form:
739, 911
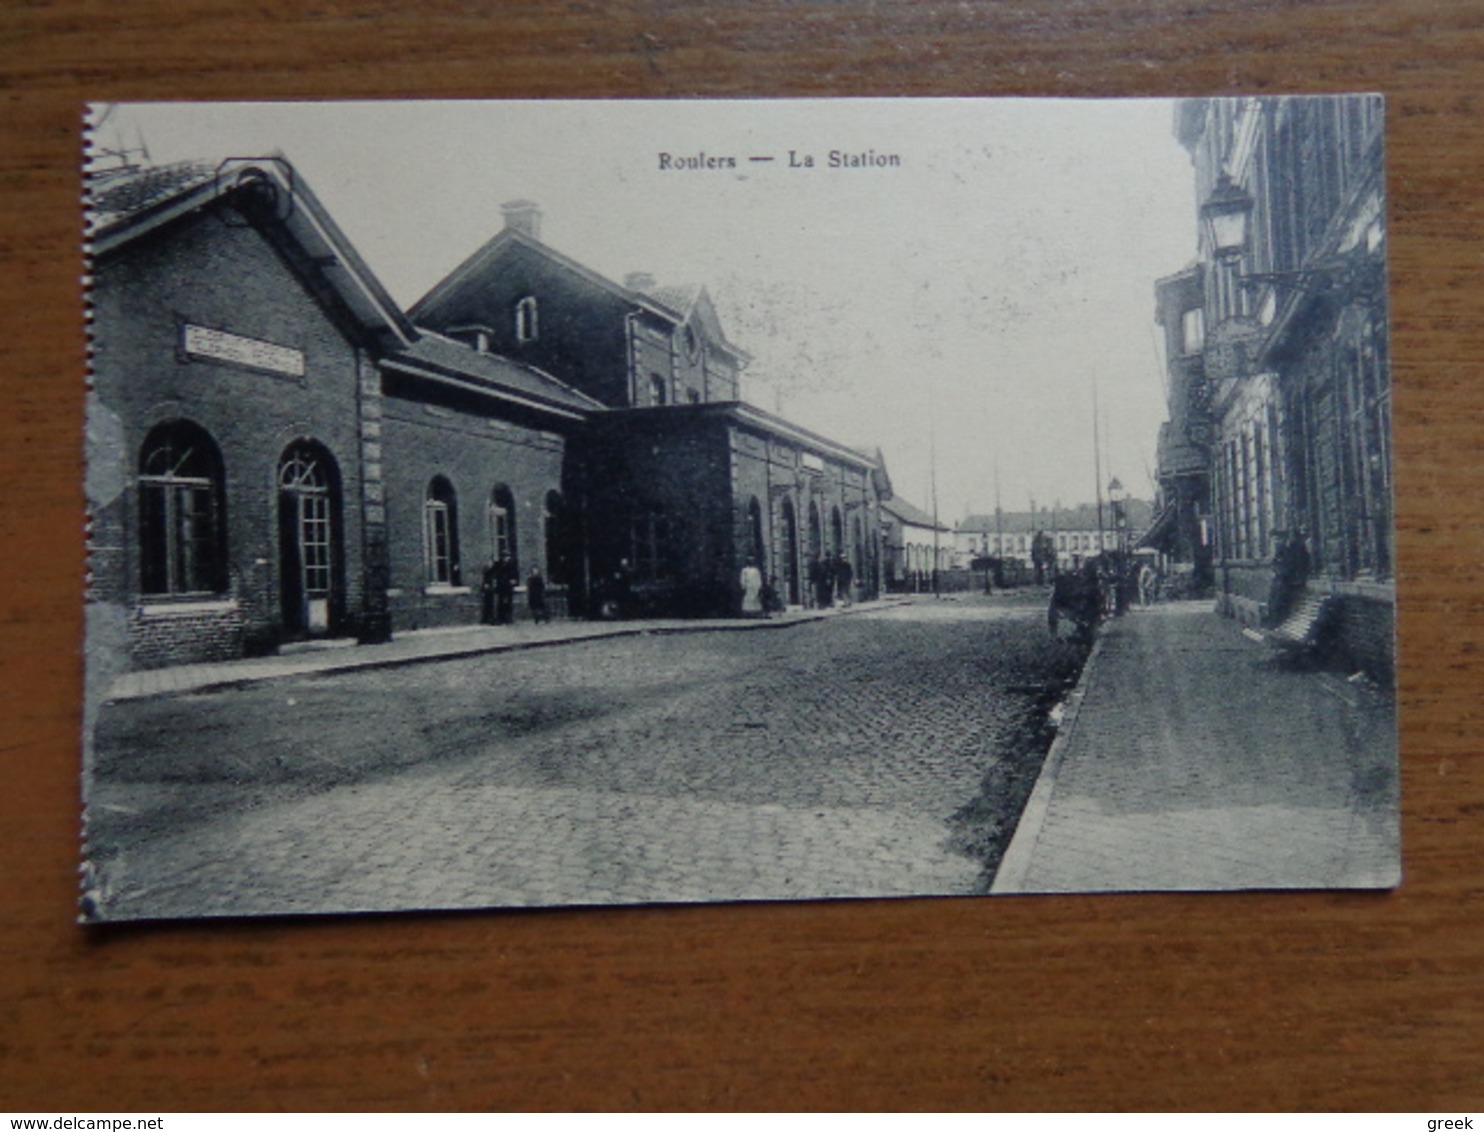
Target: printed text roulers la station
790, 159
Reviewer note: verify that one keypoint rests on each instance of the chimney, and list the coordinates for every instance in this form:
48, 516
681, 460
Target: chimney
523, 216
640, 281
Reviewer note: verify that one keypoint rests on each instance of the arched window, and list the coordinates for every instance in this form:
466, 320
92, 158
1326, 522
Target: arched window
182, 527
502, 526
526, 327
441, 533
658, 393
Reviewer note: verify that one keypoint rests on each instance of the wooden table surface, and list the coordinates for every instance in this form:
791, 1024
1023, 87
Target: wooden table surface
1261, 1000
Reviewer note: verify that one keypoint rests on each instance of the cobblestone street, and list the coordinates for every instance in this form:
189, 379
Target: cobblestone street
880, 754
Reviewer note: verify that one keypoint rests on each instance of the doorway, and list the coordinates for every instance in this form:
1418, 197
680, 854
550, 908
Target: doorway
309, 541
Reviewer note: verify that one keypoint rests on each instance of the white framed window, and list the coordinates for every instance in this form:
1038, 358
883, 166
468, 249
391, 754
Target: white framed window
501, 519
527, 327
440, 532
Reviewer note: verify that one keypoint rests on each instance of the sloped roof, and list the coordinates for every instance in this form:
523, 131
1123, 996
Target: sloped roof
128, 207
679, 297
1083, 517
435, 355
910, 513
114, 195
674, 303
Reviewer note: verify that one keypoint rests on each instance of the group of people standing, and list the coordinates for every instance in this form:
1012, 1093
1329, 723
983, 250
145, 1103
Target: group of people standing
830, 583
497, 593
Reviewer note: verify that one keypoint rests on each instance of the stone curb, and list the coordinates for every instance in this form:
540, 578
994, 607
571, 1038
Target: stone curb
354, 663
1010, 877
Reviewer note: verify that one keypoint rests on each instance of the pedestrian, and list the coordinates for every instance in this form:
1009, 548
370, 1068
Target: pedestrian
1147, 580
815, 580
505, 591
773, 597
752, 590
487, 593
536, 596
844, 576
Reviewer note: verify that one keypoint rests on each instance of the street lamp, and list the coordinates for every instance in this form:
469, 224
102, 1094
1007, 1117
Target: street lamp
1225, 216
1118, 496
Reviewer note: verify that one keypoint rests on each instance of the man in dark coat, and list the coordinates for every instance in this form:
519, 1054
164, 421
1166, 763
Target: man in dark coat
536, 597
844, 576
505, 591
487, 593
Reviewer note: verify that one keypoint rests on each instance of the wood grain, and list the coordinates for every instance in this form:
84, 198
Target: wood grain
1222, 1001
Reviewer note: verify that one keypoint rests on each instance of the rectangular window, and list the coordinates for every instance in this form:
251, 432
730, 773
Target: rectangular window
1193, 331
178, 531
439, 535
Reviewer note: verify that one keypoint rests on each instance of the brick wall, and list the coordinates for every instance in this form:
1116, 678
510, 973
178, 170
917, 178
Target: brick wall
429, 436
159, 638
581, 336
214, 270
673, 464
1364, 635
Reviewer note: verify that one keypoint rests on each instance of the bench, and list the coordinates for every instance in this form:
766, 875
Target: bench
1300, 630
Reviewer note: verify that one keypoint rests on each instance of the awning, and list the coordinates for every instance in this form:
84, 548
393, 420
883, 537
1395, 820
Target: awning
1162, 529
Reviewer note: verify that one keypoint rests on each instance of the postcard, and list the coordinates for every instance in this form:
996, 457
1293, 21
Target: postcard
505, 504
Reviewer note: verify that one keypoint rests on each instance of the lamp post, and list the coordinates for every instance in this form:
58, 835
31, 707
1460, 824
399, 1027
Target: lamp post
1225, 217
1118, 497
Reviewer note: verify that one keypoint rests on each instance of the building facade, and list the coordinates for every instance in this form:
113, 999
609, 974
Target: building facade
682, 483
233, 382
1291, 390
1074, 533
278, 453
917, 548
1183, 528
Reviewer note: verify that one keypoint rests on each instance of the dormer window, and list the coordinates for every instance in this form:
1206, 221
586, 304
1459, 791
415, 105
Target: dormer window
526, 329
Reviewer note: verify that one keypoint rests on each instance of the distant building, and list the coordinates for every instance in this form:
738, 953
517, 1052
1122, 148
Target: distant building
1075, 532
915, 545
1289, 393
1183, 527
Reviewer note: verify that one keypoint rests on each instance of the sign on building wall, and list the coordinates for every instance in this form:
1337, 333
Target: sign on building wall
223, 346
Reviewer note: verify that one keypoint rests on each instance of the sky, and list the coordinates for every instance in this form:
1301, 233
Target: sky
961, 302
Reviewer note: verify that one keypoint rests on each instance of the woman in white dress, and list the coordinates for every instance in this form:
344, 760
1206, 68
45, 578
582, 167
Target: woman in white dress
752, 590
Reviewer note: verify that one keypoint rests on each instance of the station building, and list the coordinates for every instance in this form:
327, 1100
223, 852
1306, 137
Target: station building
277, 453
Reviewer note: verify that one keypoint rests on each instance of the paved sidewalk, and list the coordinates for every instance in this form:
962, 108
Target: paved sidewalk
1191, 757
439, 644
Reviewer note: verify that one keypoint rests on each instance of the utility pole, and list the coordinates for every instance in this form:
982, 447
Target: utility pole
933, 478
1097, 462
999, 525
